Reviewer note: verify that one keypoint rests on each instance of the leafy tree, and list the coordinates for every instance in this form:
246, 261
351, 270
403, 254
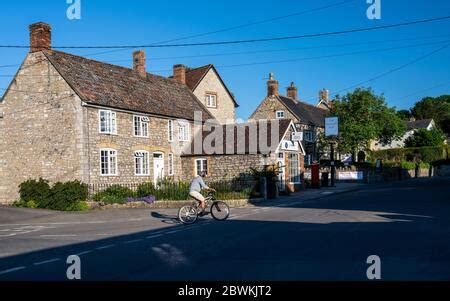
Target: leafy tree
364, 117
404, 114
437, 108
423, 137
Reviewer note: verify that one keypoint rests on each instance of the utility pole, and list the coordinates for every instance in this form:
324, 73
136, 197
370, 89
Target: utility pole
333, 165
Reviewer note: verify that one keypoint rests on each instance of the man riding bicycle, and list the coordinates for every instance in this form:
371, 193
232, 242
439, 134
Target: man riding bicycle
197, 185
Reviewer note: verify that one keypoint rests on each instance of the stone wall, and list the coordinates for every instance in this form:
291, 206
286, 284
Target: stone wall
225, 111
41, 128
225, 167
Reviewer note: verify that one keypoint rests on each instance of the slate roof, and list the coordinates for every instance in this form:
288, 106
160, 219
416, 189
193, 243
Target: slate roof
114, 86
283, 127
418, 124
306, 113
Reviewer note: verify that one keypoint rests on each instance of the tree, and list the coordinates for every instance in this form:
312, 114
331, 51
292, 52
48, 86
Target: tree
364, 117
423, 137
437, 108
404, 114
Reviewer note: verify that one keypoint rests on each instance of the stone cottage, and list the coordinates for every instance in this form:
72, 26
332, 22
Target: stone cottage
308, 119
66, 117
233, 150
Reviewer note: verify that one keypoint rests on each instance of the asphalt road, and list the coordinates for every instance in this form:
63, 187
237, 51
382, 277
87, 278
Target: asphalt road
406, 224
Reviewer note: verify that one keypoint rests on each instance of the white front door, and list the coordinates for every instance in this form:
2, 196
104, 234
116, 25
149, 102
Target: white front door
158, 167
281, 172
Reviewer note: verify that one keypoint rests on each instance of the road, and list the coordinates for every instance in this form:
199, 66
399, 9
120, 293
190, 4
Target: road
406, 224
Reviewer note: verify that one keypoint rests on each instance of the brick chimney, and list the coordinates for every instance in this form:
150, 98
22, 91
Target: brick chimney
40, 37
179, 73
272, 86
139, 62
292, 91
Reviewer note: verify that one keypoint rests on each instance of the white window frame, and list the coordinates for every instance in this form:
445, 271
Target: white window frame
184, 135
141, 126
170, 130
280, 114
139, 158
109, 161
208, 97
170, 164
110, 122
202, 166
308, 136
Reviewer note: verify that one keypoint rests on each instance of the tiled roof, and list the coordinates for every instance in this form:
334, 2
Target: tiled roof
418, 124
123, 88
306, 113
194, 76
282, 128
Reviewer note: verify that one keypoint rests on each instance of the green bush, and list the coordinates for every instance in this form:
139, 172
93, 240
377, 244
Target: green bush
38, 191
115, 194
65, 196
408, 165
78, 206
166, 189
32, 204
62, 196
413, 154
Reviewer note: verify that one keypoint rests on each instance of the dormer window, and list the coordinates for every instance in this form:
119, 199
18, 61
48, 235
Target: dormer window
211, 100
280, 114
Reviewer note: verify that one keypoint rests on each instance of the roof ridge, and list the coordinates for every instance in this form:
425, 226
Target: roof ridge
104, 63
193, 69
303, 102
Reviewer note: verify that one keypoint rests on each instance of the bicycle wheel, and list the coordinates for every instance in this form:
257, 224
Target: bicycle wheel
220, 211
188, 215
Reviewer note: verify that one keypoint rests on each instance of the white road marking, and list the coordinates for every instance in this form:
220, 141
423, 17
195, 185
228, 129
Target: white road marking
153, 236
58, 235
105, 247
132, 241
46, 261
85, 252
12, 270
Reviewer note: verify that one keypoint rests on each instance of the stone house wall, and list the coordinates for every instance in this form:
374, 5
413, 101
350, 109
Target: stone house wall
126, 144
225, 167
41, 129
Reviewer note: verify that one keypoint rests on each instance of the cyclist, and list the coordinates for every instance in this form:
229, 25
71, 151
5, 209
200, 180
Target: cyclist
197, 185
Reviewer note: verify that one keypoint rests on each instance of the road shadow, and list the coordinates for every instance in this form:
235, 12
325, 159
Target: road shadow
329, 246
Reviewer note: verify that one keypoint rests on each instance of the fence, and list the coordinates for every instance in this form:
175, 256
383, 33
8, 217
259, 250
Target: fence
169, 190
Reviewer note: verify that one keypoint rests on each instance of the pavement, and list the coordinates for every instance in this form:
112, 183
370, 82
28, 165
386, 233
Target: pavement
324, 234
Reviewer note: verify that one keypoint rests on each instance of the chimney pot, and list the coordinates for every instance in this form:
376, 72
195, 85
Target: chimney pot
40, 37
179, 73
292, 91
272, 86
139, 64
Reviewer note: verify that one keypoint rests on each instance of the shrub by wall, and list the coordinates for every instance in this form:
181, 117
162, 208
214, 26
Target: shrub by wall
419, 154
69, 196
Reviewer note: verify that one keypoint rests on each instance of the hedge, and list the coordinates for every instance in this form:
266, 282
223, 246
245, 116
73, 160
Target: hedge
69, 196
420, 154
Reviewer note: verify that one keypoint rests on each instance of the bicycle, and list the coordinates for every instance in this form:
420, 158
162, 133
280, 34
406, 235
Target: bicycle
219, 210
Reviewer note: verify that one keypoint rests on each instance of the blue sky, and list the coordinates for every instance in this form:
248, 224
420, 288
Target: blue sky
114, 22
